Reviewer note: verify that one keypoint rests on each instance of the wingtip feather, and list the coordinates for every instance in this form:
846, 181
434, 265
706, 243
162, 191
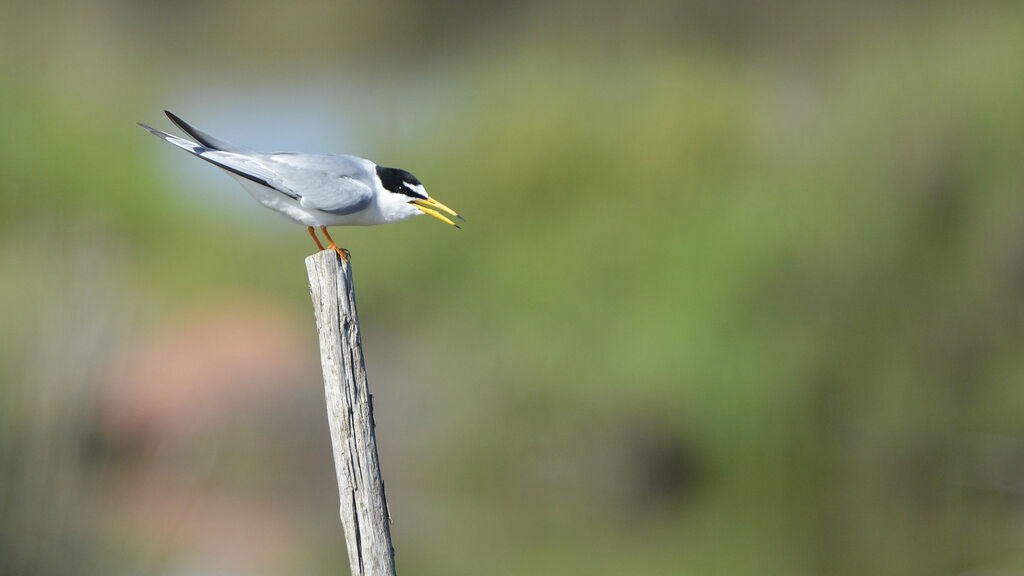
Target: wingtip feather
181, 124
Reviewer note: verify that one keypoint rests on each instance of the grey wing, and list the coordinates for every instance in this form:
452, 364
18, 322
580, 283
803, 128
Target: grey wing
332, 183
248, 166
337, 184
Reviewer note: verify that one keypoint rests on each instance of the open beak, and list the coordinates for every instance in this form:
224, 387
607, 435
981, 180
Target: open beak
428, 206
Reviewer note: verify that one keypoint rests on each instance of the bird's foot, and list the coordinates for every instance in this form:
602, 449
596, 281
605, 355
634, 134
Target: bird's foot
341, 252
332, 246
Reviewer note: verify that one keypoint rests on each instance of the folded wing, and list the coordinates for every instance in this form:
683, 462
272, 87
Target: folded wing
336, 184
332, 183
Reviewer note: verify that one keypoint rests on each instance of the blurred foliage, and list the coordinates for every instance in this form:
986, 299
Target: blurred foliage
730, 304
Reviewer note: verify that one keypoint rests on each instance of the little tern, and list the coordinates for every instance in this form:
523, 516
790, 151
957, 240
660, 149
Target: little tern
316, 190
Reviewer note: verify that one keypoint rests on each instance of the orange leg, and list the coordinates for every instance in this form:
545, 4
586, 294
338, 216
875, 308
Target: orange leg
341, 251
315, 239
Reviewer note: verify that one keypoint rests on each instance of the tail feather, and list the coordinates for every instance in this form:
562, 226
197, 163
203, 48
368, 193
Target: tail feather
187, 145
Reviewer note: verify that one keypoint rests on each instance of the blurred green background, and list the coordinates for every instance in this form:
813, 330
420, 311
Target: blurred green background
741, 288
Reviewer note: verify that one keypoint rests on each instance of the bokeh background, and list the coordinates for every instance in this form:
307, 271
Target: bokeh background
741, 288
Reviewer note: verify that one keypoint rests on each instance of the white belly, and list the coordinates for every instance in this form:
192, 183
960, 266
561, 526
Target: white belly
279, 202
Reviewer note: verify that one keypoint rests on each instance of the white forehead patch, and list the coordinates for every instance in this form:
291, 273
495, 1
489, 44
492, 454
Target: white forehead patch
417, 188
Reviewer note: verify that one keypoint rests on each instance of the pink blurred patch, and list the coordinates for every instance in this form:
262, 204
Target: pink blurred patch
187, 375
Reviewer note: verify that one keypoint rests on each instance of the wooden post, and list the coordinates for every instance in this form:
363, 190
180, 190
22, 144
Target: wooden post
364, 512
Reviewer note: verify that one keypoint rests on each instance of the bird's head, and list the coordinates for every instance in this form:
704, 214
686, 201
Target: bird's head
408, 189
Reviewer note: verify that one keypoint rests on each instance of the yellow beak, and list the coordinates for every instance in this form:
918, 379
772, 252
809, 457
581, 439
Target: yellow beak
427, 207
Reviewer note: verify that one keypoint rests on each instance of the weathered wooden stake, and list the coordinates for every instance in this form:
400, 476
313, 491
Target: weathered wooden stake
364, 509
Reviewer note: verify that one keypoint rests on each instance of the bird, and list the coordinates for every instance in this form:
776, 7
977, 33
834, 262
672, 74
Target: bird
316, 190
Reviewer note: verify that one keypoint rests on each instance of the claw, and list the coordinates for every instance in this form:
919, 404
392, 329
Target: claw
345, 255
